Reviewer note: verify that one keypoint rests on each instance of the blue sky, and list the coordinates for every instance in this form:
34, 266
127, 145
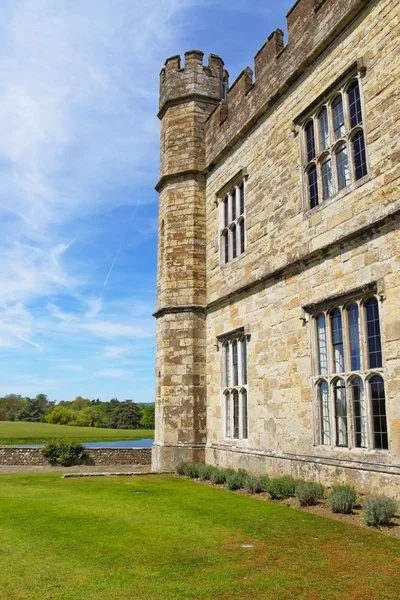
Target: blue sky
78, 164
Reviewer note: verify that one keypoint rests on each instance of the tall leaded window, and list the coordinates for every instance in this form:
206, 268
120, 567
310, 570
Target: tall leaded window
360, 414
379, 412
348, 376
334, 153
232, 221
234, 385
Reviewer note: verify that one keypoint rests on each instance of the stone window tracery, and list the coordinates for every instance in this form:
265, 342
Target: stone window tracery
334, 144
234, 386
348, 375
232, 223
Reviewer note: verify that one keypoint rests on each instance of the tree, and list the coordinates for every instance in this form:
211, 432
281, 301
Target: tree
126, 415
89, 417
147, 418
35, 409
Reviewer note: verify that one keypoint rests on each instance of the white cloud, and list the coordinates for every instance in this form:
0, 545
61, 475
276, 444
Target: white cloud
117, 373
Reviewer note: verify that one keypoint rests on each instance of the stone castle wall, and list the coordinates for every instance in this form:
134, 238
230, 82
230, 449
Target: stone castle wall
109, 457
295, 256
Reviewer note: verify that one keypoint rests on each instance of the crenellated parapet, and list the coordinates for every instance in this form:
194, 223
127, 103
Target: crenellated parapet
194, 80
312, 26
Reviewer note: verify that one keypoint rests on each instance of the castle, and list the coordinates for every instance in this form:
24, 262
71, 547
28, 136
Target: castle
278, 298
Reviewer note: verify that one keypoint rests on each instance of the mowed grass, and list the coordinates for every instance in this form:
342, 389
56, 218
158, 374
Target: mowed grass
21, 432
164, 538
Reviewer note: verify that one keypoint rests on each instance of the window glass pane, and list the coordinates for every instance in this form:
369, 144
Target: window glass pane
244, 413
355, 104
235, 414
242, 237
360, 161
322, 346
313, 186
225, 246
338, 117
235, 363
324, 130
341, 413
354, 336
327, 179
310, 141
226, 212
228, 415
374, 334
227, 366
242, 199
325, 418
360, 415
337, 341
244, 360
379, 413
342, 165
234, 242
233, 204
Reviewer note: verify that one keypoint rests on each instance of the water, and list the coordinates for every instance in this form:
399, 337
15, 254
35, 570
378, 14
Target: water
144, 443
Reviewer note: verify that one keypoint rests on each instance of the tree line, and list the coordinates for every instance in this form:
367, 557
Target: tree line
114, 414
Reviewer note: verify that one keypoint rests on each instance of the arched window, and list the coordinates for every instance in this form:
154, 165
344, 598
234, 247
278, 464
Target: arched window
243, 395
341, 144
242, 236
234, 384
313, 186
233, 235
359, 156
310, 141
235, 396
354, 104
232, 223
377, 387
337, 340
228, 417
342, 166
339, 389
322, 347
235, 363
324, 412
244, 361
327, 179
338, 117
360, 414
324, 138
353, 315
373, 334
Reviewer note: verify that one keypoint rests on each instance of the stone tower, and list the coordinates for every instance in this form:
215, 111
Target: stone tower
187, 97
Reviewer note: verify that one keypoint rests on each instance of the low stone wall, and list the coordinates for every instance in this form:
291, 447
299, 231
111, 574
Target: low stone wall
96, 456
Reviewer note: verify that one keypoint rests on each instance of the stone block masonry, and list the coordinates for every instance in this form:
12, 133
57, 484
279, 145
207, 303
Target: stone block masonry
108, 457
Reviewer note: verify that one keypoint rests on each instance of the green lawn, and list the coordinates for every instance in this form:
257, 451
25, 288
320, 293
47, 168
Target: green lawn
20, 432
165, 538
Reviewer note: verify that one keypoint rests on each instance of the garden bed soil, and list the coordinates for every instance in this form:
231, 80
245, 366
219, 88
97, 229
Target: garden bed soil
322, 510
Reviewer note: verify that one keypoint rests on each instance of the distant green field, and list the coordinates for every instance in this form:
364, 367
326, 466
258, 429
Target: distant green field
20, 432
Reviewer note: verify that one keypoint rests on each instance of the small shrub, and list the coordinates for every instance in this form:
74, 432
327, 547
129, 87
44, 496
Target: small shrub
308, 493
188, 469
218, 476
282, 487
379, 510
255, 484
205, 472
181, 468
64, 452
236, 480
342, 499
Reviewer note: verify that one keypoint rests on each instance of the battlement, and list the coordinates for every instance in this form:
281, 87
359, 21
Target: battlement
312, 26
193, 80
